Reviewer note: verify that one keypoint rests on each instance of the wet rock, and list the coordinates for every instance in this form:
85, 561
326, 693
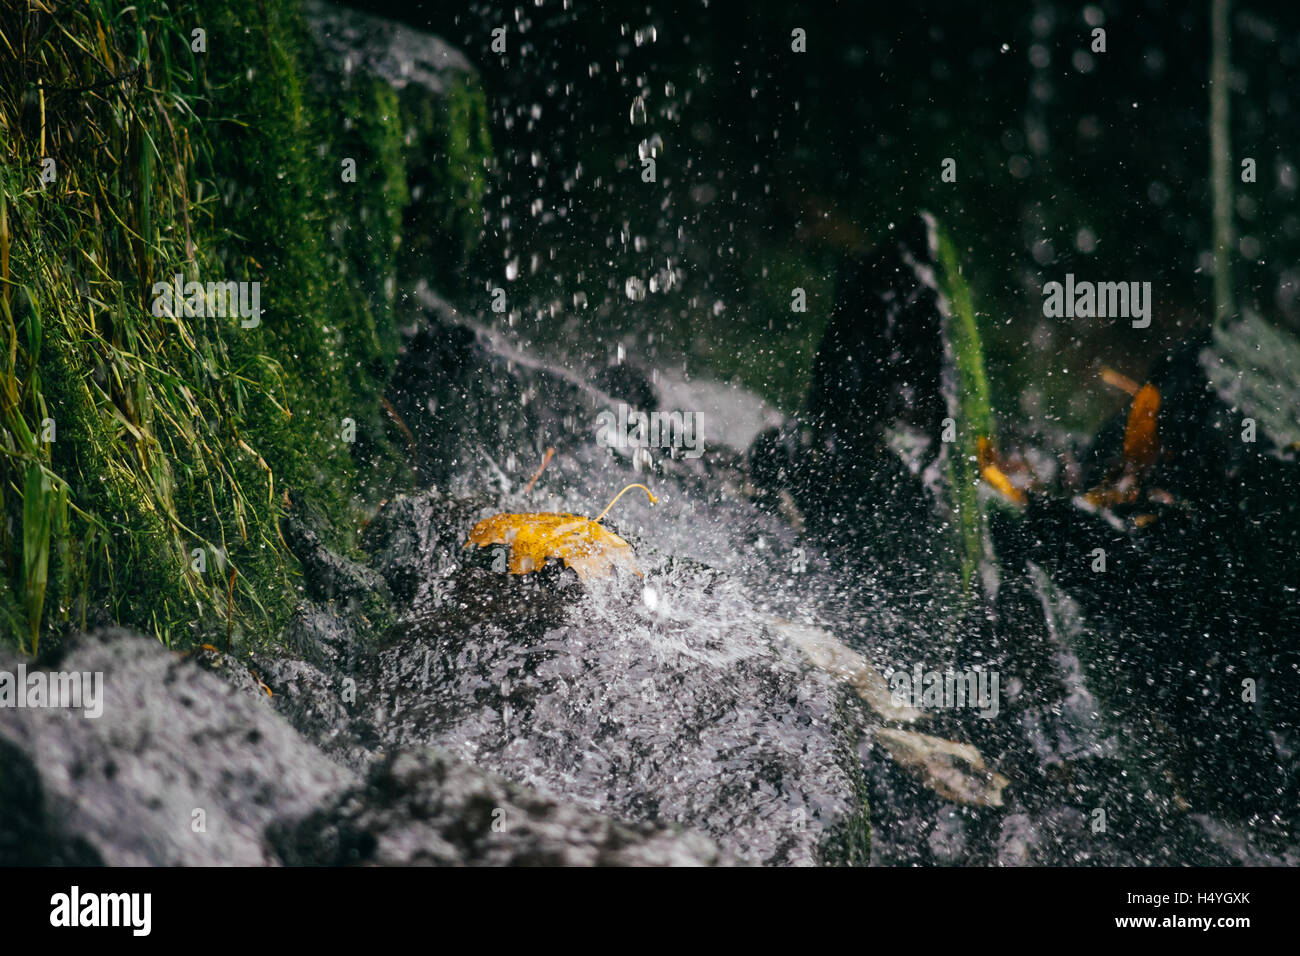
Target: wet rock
683, 710
315, 702
444, 127
320, 634
350, 603
417, 539
663, 699
880, 362
675, 699
475, 404
184, 767
880, 457
331, 576
628, 384
402, 56
30, 835
173, 746
729, 417
1113, 828
1186, 638
231, 668
1141, 687
948, 841
425, 808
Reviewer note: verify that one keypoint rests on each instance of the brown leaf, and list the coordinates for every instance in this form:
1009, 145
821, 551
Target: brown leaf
953, 770
1141, 436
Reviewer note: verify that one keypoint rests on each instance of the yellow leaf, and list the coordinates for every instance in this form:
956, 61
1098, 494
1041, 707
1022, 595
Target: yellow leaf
536, 537
991, 471
1141, 450
1141, 434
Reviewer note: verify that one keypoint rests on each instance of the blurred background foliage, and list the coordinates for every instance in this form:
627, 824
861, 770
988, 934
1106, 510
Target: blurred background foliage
771, 165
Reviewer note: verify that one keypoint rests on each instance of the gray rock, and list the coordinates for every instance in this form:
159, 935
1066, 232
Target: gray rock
687, 713
671, 705
329, 575
320, 634
398, 54
414, 539
175, 738
424, 808
314, 702
172, 739
30, 833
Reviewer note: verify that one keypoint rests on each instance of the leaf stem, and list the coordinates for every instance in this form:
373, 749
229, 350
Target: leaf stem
649, 494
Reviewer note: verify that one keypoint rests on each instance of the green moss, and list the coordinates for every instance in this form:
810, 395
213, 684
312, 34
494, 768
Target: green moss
184, 434
444, 223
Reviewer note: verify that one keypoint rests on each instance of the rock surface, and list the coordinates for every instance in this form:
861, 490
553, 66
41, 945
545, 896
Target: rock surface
175, 747
423, 808
186, 768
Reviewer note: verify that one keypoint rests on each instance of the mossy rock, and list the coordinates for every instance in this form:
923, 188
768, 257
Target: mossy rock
383, 77
178, 434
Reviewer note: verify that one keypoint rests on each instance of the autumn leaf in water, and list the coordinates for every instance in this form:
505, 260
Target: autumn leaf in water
581, 543
1141, 450
1141, 435
993, 471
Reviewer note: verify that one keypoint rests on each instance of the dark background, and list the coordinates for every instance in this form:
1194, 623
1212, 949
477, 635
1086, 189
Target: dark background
774, 164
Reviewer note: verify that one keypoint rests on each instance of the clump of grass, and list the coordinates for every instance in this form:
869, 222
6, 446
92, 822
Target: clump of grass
145, 459
103, 402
